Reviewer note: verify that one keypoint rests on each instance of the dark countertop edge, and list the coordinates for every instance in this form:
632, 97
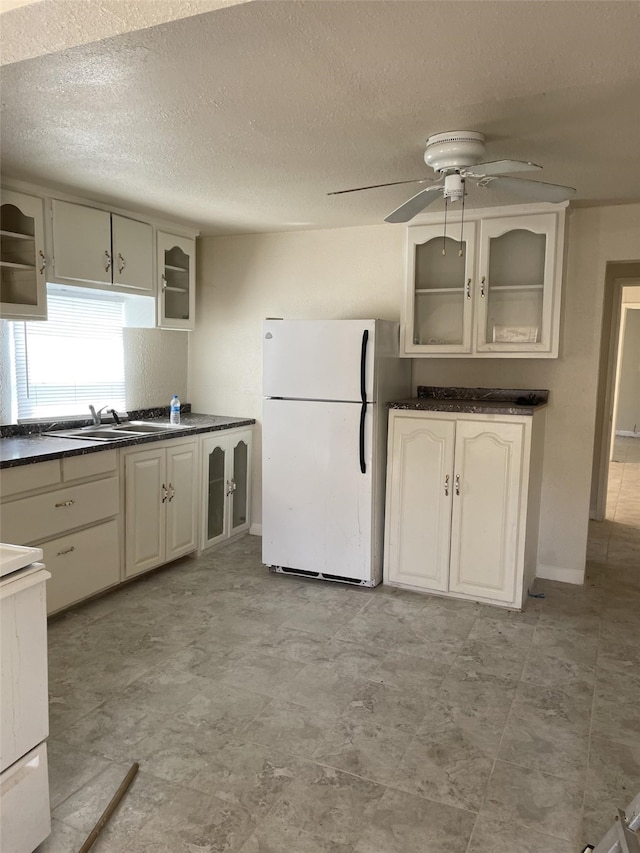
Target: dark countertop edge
486, 401
522, 396
484, 407
82, 447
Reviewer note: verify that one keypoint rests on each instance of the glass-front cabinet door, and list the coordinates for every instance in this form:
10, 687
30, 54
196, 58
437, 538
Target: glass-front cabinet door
216, 498
240, 485
23, 293
514, 295
439, 306
226, 482
176, 291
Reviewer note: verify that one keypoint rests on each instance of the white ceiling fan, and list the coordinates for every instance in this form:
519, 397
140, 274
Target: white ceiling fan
456, 156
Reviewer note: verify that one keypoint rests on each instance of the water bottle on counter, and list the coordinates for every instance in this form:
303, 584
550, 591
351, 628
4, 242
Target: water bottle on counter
174, 410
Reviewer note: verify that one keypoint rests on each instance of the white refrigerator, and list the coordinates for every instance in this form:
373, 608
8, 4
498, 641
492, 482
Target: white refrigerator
324, 436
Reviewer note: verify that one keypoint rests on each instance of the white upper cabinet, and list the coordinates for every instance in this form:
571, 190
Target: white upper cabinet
132, 249
517, 286
489, 288
98, 247
23, 294
439, 310
177, 281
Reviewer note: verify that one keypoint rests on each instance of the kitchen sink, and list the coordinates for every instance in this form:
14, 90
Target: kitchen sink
145, 427
113, 432
92, 433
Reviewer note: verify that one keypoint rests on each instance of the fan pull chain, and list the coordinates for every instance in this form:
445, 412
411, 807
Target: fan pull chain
444, 235
460, 250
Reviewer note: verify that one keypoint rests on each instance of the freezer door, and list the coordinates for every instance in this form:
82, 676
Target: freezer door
316, 504
318, 359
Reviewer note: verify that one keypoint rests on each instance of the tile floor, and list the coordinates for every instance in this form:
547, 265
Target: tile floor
273, 714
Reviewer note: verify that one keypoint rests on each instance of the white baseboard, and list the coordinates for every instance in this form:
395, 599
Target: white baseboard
628, 433
559, 573
255, 530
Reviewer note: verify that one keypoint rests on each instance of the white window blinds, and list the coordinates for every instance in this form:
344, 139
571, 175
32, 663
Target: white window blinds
74, 358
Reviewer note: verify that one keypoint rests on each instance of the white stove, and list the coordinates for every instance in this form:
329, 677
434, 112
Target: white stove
24, 710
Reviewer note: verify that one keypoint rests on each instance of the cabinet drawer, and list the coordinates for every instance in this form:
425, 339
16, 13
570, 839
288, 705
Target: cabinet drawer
81, 564
76, 467
24, 790
26, 478
43, 516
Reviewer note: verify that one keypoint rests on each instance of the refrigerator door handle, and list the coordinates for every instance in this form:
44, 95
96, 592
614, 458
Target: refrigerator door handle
363, 396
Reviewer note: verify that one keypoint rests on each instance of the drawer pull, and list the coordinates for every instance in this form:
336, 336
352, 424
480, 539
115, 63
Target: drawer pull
65, 503
66, 551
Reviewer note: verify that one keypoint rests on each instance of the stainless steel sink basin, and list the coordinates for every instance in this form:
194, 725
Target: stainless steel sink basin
144, 427
89, 433
114, 432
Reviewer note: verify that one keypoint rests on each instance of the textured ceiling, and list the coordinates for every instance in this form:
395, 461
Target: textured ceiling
243, 118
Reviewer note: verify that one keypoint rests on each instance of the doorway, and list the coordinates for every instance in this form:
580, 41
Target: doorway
616, 463
623, 482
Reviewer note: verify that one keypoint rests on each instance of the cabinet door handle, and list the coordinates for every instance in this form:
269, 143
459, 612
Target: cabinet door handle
66, 551
165, 493
482, 286
457, 484
43, 259
468, 288
65, 503
164, 283
172, 493
231, 487
121, 263
107, 265
446, 486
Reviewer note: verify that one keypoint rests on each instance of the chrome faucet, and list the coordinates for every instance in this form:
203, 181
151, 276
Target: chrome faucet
96, 415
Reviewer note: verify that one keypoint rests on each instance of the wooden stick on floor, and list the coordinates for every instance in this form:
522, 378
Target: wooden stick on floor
106, 814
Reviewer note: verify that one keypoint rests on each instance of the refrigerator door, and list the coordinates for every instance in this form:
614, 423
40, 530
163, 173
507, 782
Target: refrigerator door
317, 504
318, 359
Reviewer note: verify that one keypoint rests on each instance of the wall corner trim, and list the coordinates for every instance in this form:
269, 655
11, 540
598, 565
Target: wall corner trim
559, 573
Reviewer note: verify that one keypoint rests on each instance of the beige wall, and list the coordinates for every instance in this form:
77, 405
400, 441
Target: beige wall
358, 272
155, 367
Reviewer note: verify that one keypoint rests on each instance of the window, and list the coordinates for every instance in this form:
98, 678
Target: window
74, 358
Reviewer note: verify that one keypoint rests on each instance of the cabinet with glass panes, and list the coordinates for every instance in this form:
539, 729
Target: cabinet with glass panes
226, 486
23, 264
176, 290
489, 287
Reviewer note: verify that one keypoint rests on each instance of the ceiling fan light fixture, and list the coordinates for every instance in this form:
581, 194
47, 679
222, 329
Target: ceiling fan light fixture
455, 149
454, 187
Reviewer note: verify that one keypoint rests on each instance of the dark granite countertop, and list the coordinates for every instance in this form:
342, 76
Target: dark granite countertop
486, 401
24, 449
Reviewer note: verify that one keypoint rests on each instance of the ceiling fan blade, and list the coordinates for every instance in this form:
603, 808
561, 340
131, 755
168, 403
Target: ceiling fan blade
501, 167
414, 205
377, 186
532, 190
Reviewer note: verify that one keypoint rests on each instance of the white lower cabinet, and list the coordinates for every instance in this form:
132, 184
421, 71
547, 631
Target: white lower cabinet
161, 494
226, 478
462, 504
82, 564
70, 508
